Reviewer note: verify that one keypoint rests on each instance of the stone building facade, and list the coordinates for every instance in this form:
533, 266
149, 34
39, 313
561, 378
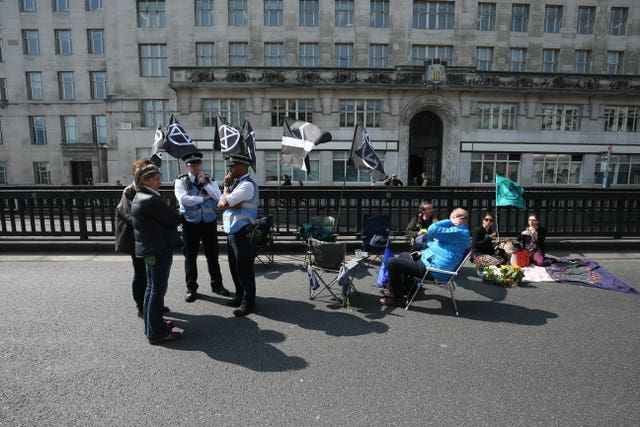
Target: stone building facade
545, 93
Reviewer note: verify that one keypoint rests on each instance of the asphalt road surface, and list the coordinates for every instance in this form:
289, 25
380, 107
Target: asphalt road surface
73, 352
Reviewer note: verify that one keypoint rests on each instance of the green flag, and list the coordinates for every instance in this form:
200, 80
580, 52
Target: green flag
508, 193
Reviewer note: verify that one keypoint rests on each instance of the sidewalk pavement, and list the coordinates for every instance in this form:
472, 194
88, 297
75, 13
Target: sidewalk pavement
72, 351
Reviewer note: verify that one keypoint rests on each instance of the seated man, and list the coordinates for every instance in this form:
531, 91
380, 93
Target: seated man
445, 253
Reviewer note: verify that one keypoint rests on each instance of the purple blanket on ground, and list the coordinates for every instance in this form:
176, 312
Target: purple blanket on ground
587, 273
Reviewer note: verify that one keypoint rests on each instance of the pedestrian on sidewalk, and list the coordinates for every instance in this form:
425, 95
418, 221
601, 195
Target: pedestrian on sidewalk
124, 238
156, 237
198, 195
240, 201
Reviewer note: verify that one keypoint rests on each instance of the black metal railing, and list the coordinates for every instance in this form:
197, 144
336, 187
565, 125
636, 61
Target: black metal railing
87, 212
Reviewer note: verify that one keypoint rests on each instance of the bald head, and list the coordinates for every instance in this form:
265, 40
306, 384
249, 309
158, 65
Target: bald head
459, 216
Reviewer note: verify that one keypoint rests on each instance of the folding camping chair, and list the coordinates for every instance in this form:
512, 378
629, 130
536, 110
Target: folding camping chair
450, 284
375, 234
265, 234
328, 271
319, 228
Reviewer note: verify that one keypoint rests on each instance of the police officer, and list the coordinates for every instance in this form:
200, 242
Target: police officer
198, 195
240, 201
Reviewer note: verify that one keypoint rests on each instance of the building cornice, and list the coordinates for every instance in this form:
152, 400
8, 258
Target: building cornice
402, 78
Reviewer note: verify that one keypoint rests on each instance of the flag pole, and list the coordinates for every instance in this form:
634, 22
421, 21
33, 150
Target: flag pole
496, 197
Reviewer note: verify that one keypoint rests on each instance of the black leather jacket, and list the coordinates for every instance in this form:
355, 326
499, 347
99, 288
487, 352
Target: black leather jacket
154, 224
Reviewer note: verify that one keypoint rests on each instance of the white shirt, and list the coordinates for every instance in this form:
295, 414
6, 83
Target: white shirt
242, 192
180, 190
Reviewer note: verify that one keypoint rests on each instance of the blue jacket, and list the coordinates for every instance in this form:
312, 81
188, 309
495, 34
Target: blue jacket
448, 248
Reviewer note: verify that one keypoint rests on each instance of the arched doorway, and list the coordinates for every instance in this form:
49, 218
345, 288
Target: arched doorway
425, 147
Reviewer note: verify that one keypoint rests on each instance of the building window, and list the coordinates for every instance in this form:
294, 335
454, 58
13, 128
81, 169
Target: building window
552, 19
621, 118
432, 15
618, 24
63, 42
273, 54
204, 13
560, 117
42, 173
583, 62
153, 60
614, 62
299, 109
155, 112
365, 112
3, 173
94, 5
557, 168
170, 167
28, 6
623, 170
497, 115
486, 17
95, 39
273, 13
485, 166
205, 54
484, 58
378, 56
232, 109
586, 20
238, 13
69, 130
38, 130
3, 91
517, 59
98, 84
274, 170
1, 49
344, 55
519, 18
151, 14
308, 11
100, 130
343, 172
379, 13
35, 90
66, 87
308, 53
238, 54
344, 13
30, 42
61, 6
422, 53
550, 60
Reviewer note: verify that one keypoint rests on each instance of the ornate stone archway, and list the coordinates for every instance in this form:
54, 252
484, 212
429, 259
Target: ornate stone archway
448, 113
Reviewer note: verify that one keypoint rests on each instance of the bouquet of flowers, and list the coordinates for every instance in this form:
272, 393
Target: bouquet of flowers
507, 276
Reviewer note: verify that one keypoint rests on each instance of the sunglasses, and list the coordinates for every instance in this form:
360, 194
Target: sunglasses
489, 219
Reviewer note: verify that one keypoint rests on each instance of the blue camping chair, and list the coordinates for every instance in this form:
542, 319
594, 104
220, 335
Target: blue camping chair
375, 234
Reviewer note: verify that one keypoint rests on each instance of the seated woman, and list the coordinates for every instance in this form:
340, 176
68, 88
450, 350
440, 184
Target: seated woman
482, 243
532, 239
417, 227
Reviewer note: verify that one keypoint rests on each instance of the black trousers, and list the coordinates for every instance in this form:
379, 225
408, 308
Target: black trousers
192, 234
242, 254
400, 266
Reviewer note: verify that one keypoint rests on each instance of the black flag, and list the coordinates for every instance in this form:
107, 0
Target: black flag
227, 139
249, 140
177, 142
158, 145
364, 157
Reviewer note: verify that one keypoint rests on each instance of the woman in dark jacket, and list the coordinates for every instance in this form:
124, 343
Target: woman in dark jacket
482, 246
532, 238
156, 237
417, 227
125, 242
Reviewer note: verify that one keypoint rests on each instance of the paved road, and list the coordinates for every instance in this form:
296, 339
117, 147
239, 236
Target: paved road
72, 352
